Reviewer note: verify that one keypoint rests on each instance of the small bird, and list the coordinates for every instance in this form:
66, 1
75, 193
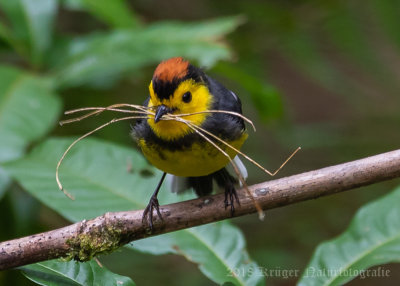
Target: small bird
179, 88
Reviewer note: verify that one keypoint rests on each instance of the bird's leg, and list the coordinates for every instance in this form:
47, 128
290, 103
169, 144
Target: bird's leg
226, 181
231, 197
153, 204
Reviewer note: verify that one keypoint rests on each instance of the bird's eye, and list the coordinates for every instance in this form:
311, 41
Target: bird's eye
187, 97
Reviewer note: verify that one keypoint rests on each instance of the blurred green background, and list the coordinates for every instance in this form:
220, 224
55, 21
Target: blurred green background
323, 75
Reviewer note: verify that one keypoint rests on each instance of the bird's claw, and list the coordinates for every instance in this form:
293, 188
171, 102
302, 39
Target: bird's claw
148, 211
230, 198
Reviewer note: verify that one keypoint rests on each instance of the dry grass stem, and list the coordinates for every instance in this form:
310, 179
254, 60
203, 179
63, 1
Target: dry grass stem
220, 111
97, 110
143, 114
198, 130
60, 186
245, 156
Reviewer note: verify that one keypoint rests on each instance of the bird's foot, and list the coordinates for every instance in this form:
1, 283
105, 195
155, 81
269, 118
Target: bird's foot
230, 198
148, 211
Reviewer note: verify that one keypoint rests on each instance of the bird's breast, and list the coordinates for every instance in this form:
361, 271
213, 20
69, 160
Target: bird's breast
199, 158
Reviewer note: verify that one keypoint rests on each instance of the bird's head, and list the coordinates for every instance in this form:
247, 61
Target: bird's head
177, 88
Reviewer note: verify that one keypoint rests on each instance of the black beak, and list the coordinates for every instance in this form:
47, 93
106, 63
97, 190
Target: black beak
160, 112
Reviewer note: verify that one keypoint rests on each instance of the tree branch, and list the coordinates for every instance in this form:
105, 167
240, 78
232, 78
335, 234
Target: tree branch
85, 239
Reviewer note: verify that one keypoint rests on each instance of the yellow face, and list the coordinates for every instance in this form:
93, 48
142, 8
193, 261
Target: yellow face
200, 100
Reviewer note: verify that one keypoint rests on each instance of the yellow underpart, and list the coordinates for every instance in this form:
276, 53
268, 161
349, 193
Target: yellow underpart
200, 160
201, 101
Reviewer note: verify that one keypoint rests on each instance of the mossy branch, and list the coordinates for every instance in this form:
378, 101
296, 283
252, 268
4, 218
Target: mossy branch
86, 239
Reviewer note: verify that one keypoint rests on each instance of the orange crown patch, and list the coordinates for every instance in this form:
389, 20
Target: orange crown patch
172, 68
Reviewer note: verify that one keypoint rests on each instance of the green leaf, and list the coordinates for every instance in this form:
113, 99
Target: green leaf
105, 57
32, 25
96, 173
116, 13
28, 109
218, 249
57, 273
373, 238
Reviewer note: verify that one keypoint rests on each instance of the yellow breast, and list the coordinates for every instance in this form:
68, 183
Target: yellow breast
200, 160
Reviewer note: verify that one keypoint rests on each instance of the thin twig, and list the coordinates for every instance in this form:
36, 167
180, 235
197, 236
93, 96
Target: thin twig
127, 226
